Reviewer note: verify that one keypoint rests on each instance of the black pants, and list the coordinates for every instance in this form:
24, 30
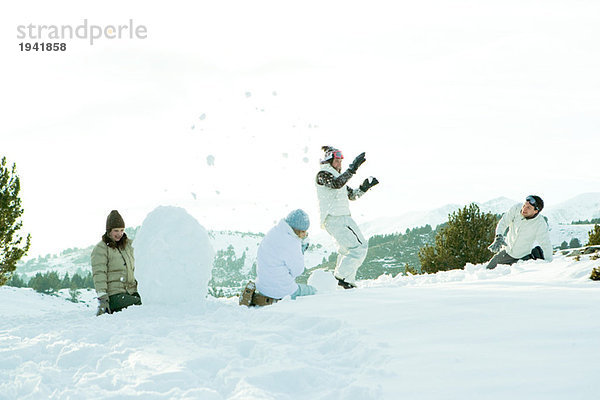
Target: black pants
117, 302
504, 258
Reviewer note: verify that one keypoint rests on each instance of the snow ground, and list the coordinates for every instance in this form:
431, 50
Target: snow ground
528, 331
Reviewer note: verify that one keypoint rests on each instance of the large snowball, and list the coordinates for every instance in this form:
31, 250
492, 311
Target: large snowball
323, 281
173, 258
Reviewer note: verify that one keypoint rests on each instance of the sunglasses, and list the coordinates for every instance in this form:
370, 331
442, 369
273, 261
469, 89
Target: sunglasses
532, 201
337, 154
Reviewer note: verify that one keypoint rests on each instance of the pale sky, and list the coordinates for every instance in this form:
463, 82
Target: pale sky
453, 102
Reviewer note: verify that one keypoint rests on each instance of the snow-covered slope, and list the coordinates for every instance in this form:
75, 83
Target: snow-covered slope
386, 225
521, 332
435, 217
242, 242
70, 261
580, 208
497, 206
564, 233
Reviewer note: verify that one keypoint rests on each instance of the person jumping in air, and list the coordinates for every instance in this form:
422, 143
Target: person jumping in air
333, 195
525, 226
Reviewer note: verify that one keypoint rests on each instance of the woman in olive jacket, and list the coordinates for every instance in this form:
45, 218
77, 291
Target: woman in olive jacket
113, 266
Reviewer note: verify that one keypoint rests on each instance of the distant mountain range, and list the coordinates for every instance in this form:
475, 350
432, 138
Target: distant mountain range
433, 218
583, 207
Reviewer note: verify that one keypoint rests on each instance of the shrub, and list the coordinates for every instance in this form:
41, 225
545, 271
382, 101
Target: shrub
594, 236
463, 240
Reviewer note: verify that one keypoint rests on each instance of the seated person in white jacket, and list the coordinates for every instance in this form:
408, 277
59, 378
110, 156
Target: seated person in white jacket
526, 226
281, 258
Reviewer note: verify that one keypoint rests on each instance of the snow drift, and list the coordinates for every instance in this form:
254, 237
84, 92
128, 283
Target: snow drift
528, 331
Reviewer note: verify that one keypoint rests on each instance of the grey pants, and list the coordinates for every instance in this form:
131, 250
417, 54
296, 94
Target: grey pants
501, 258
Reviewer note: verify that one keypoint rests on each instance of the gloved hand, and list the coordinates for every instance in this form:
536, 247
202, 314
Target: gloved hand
366, 185
357, 162
498, 243
103, 306
304, 246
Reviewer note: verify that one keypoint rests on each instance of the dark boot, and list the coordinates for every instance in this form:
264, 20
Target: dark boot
247, 293
536, 254
344, 284
262, 300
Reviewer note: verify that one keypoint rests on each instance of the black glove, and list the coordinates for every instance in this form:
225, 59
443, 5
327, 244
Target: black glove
366, 185
103, 306
357, 162
497, 245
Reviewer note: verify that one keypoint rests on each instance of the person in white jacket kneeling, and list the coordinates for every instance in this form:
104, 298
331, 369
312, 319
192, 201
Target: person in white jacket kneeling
280, 258
526, 226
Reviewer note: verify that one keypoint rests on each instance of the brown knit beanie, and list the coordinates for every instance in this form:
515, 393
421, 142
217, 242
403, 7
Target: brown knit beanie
114, 220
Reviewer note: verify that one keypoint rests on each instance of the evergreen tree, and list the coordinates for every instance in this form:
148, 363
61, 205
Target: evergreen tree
38, 283
410, 270
587, 222
66, 282
564, 245
464, 239
77, 281
574, 243
16, 281
594, 236
88, 281
54, 281
47, 283
11, 246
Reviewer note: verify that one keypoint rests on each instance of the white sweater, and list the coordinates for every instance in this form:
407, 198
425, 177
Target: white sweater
279, 261
523, 233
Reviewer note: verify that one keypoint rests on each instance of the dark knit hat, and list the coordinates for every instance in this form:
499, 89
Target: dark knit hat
535, 201
114, 220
